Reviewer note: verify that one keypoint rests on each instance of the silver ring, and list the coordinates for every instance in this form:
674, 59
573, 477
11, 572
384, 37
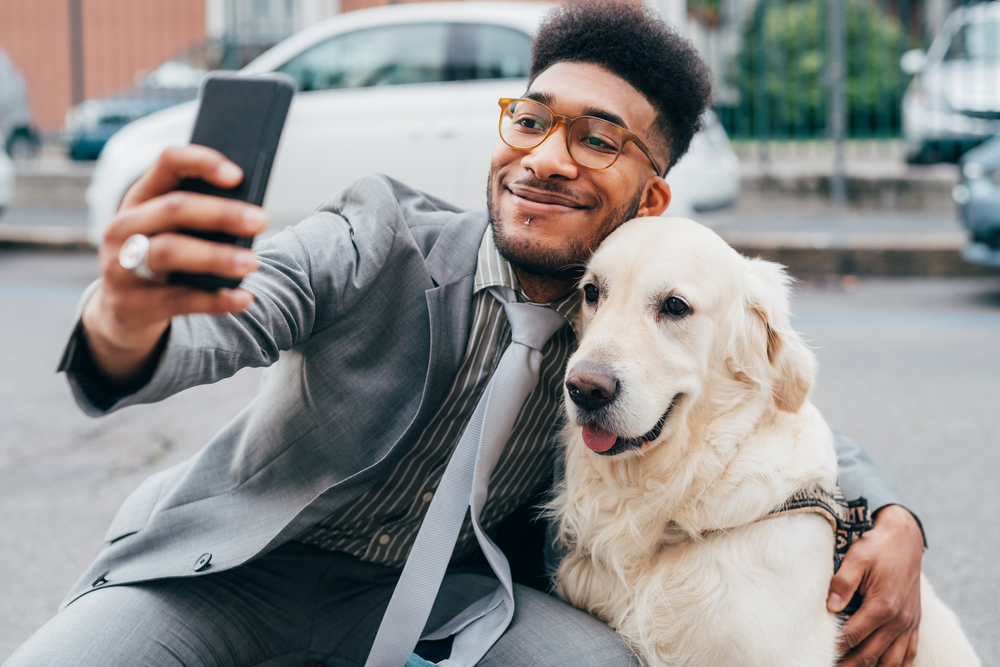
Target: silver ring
134, 256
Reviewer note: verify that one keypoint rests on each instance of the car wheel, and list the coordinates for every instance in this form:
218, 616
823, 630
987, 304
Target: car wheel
916, 156
22, 145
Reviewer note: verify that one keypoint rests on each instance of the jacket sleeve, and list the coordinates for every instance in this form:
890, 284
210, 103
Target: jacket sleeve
308, 275
859, 476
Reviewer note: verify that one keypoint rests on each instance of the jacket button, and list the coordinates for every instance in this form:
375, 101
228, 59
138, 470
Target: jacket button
101, 580
202, 562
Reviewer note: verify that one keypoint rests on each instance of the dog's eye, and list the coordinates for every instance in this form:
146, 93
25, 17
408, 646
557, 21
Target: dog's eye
674, 306
591, 293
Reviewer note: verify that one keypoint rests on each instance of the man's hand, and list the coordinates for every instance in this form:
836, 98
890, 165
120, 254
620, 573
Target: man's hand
127, 316
884, 565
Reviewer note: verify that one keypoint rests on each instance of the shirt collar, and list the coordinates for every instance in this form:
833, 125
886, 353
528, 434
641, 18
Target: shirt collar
492, 270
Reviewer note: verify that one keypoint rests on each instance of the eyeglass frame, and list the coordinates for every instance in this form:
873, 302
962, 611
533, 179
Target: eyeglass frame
627, 135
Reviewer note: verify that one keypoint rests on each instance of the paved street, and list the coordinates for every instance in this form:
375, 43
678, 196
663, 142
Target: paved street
908, 367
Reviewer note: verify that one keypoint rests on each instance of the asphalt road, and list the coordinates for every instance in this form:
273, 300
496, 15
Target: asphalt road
908, 367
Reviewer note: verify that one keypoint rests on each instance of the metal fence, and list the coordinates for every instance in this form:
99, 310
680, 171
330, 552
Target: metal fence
802, 67
854, 72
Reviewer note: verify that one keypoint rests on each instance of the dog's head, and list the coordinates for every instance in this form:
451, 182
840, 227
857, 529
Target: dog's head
677, 323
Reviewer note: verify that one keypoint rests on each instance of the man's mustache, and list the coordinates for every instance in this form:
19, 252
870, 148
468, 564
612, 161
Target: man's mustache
553, 187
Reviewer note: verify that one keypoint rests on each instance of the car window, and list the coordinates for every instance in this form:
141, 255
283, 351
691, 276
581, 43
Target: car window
975, 41
384, 56
489, 52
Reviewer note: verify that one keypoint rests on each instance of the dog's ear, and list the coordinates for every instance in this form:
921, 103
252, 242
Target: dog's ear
778, 358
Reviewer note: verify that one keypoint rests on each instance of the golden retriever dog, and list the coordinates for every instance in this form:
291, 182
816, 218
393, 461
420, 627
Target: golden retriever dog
688, 424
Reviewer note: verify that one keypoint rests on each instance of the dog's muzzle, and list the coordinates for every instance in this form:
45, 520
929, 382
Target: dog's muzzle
590, 388
593, 389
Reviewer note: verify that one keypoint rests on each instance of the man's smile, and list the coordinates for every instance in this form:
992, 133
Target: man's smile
535, 201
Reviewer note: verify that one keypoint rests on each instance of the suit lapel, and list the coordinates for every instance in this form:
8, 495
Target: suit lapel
452, 266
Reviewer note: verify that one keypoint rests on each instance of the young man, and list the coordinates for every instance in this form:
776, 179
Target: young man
281, 542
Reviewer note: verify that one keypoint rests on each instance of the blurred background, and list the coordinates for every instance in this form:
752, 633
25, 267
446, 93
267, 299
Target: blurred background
854, 141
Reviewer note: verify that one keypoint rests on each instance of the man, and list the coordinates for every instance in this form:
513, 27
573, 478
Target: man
281, 541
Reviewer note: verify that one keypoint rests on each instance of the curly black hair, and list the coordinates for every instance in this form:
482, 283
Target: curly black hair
634, 43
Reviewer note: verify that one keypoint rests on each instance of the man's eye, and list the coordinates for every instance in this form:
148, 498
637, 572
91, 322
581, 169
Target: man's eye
599, 144
529, 123
591, 293
675, 306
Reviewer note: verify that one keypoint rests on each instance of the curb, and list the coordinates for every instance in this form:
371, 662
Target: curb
805, 255
63, 187
915, 192
879, 256
51, 239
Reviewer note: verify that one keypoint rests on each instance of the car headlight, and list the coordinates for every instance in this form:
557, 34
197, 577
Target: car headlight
972, 170
960, 194
977, 176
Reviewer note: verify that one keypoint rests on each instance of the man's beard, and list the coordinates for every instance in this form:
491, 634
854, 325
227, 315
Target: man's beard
566, 262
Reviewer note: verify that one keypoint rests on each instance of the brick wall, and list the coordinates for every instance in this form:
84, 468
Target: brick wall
119, 38
350, 5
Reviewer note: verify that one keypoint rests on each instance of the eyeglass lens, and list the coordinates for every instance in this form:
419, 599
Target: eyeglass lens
592, 142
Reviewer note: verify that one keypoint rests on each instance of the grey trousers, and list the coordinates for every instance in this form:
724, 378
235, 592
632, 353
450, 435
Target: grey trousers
296, 605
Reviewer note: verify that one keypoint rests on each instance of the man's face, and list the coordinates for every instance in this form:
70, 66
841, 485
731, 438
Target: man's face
572, 208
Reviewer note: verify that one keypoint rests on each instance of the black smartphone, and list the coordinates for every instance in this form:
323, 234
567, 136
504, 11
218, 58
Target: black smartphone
242, 118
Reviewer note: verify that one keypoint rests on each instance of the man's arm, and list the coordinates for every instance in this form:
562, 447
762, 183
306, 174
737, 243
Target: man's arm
883, 566
307, 276
125, 319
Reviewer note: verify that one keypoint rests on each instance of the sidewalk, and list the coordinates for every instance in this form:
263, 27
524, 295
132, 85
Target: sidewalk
49, 207
899, 221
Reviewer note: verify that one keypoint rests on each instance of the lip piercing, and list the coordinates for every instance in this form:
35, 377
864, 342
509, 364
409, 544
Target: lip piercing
528, 221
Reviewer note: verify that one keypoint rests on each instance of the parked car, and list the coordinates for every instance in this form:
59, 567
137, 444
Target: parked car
953, 101
408, 90
6, 181
17, 134
91, 123
978, 198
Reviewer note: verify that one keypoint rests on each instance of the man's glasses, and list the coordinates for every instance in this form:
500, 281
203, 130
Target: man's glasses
594, 143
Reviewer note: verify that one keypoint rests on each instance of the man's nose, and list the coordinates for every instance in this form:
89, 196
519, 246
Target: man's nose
550, 159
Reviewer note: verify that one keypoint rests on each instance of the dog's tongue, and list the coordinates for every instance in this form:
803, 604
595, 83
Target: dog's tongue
598, 439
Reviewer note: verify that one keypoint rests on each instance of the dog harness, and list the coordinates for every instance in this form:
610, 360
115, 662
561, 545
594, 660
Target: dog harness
849, 519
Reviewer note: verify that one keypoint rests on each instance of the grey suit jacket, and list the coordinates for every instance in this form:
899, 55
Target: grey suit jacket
362, 311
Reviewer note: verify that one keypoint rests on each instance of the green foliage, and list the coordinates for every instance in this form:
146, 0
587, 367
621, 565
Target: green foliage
780, 73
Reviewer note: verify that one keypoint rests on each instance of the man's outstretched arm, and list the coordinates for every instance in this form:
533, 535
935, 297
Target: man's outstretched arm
883, 566
126, 317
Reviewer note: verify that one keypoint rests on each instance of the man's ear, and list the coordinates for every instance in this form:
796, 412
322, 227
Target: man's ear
655, 198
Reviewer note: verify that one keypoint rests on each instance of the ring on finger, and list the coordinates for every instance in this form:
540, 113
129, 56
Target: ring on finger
134, 256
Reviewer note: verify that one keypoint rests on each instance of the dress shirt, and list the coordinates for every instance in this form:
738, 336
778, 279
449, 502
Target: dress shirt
382, 525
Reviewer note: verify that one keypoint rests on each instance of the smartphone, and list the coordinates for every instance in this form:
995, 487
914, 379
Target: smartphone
242, 118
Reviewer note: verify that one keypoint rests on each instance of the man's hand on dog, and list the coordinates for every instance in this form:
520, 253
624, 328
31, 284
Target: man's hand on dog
127, 316
884, 565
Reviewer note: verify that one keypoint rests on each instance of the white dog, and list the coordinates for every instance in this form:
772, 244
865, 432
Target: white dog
688, 425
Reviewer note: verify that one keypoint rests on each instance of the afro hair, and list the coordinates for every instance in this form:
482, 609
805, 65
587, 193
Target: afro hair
634, 43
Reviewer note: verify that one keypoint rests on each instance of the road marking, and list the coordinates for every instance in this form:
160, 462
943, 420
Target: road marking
813, 318
40, 293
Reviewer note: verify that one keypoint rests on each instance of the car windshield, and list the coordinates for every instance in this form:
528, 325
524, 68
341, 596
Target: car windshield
976, 41
187, 69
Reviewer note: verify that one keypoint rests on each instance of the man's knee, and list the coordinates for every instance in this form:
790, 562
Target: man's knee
546, 631
101, 628
150, 624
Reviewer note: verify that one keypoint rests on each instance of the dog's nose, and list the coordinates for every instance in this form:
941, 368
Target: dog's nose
591, 389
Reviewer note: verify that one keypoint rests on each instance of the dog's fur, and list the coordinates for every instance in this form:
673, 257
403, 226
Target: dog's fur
665, 541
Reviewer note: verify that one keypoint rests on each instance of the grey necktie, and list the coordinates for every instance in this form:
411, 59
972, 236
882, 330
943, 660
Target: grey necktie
464, 485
